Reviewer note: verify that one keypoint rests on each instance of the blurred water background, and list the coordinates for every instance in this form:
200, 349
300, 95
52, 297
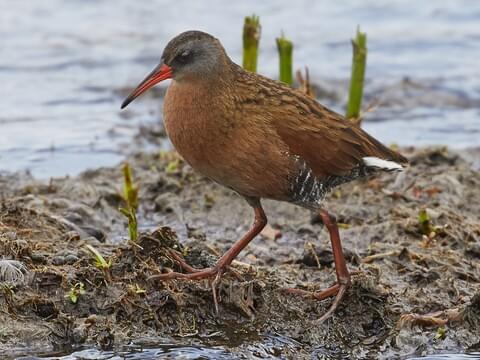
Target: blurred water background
66, 64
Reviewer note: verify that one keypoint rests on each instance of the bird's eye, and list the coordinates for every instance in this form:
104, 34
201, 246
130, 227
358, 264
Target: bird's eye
184, 57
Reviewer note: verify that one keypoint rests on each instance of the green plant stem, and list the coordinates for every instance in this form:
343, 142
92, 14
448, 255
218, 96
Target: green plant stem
130, 190
131, 216
358, 75
100, 262
130, 195
285, 53
251, 39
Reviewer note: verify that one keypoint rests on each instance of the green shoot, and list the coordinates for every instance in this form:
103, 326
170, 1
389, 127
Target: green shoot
358, 76
8, 290
441, 333
135, 289
173, 166
130, 190
251, 39
130, 196
131, 216
98, 259
75, 292
424, 222
285, 53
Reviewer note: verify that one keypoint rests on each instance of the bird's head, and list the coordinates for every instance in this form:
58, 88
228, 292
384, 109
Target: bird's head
192, 55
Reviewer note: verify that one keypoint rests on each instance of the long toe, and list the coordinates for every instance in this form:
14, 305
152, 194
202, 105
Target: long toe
337, 290
342, 289
213, 272
197, 275
318, 295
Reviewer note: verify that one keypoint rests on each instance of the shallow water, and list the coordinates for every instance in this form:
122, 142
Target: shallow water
65, 65
171, 351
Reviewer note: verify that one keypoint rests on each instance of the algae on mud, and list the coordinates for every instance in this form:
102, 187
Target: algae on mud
404, 273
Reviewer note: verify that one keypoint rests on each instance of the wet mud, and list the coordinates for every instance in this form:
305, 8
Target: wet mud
414, 237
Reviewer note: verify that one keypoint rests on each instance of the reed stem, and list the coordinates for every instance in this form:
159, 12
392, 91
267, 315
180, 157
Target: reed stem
285, 53
359, 60
251, 39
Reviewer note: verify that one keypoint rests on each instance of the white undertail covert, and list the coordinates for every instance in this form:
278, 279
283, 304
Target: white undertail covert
372, 161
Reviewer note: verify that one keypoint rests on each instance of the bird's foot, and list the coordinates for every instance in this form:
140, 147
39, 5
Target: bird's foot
192, 273
338, 290
223, 264
214, 272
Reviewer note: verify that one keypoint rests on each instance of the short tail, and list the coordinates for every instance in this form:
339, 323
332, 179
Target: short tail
381, 164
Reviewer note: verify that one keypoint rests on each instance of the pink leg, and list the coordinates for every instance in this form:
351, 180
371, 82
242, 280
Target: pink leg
225, 260
343, 277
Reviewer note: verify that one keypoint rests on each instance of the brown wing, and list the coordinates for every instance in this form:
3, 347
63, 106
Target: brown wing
329, 143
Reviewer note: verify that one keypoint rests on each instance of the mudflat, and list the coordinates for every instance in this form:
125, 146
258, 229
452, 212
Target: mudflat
414, 239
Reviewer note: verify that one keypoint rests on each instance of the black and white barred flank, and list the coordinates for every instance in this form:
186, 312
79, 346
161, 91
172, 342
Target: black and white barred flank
308, 191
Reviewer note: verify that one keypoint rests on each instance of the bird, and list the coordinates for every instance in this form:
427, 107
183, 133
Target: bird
262, 139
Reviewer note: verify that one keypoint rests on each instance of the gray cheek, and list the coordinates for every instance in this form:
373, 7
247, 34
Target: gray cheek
204, 65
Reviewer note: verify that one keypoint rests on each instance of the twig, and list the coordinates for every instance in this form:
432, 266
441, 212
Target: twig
371, 258
304, 83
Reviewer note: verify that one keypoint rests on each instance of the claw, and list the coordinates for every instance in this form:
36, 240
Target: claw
343, 276
214, 285
197, 275
342, 289
337, 290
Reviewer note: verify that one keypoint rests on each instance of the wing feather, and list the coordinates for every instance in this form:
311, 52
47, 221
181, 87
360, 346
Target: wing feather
329, 143
325, 140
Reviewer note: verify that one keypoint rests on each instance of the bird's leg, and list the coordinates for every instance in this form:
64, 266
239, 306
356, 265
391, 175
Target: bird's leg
190, 269
226, 259
343, 276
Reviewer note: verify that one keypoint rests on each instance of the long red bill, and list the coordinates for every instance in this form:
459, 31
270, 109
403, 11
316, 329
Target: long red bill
160, 73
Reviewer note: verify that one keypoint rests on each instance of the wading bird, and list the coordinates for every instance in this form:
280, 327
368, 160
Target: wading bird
261, 139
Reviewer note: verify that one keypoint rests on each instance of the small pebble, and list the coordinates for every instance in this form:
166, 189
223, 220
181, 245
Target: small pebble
473, 250
96, 233
58, 260
71, 259
74, 217
71, 236
10, 235
162, 203
79, 334
21, 243
39, 258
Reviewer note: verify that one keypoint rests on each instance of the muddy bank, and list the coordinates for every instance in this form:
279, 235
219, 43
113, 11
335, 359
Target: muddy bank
418, 290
